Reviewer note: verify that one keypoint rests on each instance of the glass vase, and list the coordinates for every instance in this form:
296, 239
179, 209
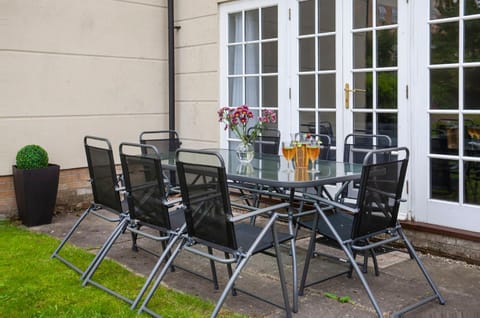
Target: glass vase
245, 152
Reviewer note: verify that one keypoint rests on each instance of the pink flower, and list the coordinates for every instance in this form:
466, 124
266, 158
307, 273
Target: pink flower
240, 121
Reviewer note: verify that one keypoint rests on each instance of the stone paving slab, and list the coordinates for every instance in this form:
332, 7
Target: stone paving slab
400, 282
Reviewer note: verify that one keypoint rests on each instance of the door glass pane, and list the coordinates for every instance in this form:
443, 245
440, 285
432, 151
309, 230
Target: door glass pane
251, 25
362, 49
269, 23
444, 179
387, 125
235, 28
235, 89
386, 12
444, 134
307, 121
444, 43
472, 135
269, 57
326, 91
307, 91
269, 91
363, 81
307, 54
472, 7
471, 87
443, 9
362, 16
386, 48
326, 13
387, 88
363, 123
307, 17
326, 52
472, 41
251, 58
327, 125
252, 94
444, 88
235, 58
471, 187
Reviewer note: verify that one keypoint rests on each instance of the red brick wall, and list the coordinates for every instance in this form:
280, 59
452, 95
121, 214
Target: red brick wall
74, 193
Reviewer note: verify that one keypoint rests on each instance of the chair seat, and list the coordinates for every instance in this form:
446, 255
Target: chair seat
341, 221
177, 218
246, 234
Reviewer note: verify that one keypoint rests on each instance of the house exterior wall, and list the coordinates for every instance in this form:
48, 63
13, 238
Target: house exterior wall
80, 67
196, 65
90, 67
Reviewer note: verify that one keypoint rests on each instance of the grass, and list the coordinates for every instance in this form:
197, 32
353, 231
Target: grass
33, 285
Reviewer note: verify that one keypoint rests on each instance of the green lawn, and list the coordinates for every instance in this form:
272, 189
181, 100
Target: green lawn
33, 285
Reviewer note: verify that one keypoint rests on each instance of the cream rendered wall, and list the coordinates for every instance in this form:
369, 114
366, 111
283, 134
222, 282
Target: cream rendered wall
196, 63
69, 68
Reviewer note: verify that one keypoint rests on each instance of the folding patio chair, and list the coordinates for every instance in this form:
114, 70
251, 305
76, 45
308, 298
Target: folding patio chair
164, 141
210, 223
149, 209
268, 141
371, 223
105, 185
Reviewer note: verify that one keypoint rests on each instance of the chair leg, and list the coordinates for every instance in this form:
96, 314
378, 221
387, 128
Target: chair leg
87, 275
308, 257
160, 276
411, 250
375, 262
72, 229
164, 248
229, 271
134, 242
213, 269
166, 256
281, 273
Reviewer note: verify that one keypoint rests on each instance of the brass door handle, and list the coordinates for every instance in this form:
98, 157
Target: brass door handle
347, 91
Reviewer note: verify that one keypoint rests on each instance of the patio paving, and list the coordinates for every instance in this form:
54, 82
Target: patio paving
400, 281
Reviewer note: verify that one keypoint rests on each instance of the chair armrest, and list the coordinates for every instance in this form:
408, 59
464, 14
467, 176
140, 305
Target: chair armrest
259, 211
335, 204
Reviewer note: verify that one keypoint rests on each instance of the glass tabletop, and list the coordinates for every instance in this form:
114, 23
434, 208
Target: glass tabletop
270, 170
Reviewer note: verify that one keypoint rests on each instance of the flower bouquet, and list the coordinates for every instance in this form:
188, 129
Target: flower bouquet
241, 121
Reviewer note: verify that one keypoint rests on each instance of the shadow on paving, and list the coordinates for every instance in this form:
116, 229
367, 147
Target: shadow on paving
400, 282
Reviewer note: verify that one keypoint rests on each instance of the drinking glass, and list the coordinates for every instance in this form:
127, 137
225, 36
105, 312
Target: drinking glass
313, 151
288, 151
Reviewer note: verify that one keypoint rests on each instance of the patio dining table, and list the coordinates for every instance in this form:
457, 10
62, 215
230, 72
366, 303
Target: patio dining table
271, 171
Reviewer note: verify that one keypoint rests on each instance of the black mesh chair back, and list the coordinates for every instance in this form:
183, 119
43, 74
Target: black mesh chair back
163, 140
106, 204
379, 195
268, 141
144, 185
356, 147
103, 175
202, 175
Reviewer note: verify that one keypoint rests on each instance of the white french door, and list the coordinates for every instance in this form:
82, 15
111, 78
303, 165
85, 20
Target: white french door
448, 116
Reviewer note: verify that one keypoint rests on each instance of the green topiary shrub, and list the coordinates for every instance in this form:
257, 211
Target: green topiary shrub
32, 157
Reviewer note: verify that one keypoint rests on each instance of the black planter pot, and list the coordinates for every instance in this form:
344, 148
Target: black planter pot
36, 193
